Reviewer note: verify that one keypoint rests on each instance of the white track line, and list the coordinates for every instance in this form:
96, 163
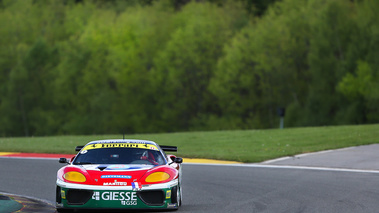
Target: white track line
292, 167
305, 154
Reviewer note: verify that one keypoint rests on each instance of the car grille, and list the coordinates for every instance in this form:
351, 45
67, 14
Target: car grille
78, 196
152, 197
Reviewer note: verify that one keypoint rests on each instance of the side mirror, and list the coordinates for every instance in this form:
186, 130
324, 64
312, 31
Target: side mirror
63, 160
178, 160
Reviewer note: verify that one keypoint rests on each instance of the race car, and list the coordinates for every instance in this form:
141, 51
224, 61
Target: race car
120, 174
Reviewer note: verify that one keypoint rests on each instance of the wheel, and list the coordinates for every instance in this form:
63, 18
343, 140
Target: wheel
180, 197
176, 195
58, 197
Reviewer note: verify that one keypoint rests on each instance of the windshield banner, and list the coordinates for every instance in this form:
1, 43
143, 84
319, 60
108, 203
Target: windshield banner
120, 145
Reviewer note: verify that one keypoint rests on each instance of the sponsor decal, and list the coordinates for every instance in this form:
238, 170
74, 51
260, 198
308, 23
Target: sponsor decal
63, 194
118, 141
126, 198
171, 205
96, 196
120, 145
117, 176
136, 186
168, 194
83, 152
115, 183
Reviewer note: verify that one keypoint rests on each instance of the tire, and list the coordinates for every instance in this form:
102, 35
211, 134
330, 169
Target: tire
180, 197
176, 196
58, 196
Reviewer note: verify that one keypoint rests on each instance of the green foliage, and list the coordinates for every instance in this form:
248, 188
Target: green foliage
331, 33
359, 85
264, 68
185, 67
139, 36
96, 67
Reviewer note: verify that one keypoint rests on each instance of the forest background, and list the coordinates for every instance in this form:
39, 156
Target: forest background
102, 67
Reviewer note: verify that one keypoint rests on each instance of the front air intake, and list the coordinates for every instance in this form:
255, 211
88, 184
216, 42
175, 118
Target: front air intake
78, 196
152, 197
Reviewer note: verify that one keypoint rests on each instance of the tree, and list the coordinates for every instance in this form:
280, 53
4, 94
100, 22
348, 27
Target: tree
185, 66
26, 59
137, 37
360, 84
264, 68
332, 28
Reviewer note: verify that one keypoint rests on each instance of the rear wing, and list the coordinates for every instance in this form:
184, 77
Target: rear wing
78, 148
169, 148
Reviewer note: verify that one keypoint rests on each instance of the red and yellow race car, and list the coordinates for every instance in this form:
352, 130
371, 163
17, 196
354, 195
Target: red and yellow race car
120, 174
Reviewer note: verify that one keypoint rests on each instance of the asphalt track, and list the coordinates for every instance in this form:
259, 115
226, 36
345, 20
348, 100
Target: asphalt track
305, 183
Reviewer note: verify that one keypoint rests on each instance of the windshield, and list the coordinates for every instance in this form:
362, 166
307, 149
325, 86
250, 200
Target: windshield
119, 156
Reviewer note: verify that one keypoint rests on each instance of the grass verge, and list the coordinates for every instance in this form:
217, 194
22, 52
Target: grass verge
238, 145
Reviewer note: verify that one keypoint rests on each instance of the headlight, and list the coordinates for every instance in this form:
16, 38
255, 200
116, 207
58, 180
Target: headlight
157, 177
75, 177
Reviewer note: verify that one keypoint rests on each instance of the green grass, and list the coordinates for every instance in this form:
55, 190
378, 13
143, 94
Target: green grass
240, 145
